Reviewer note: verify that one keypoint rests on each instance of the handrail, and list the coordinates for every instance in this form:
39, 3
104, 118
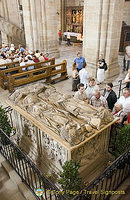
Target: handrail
109, 180
27, 170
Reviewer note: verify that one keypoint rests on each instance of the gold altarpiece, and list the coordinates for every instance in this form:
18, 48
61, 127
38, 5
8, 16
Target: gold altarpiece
74, 19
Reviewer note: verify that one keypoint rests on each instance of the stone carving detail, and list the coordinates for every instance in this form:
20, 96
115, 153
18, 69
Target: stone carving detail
61, 113
53, 150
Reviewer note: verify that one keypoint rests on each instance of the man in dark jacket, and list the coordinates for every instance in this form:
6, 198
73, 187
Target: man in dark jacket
110, 96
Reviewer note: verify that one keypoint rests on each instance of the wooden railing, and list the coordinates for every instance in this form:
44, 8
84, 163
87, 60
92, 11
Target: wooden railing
47, 72
14, 70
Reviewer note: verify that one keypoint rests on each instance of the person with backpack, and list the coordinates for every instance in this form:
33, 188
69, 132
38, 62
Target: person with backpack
102, 67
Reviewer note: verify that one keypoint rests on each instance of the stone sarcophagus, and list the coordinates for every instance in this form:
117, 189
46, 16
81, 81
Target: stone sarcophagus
53, 127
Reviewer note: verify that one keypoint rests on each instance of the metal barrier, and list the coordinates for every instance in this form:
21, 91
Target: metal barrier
29, 173
107, 183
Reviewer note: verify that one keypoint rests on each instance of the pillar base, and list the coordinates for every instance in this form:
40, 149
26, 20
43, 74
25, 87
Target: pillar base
113, 70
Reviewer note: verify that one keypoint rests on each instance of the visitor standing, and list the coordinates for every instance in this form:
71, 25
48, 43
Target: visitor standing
98, 100
80, 94
110, 96
60, 37
83, 75
127, 56
91, 88
127, 79
75, 75
68, 38
101, 70
79, 60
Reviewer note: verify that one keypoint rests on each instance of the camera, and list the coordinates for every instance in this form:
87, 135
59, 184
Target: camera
100, 62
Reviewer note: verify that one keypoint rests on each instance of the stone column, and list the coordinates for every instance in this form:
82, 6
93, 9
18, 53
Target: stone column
28, 24
49, 24
102, 29
4, 38
40, 22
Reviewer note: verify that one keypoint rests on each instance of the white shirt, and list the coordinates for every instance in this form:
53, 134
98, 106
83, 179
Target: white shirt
124, 101
68, 35
30, 62
127, 50
83, 75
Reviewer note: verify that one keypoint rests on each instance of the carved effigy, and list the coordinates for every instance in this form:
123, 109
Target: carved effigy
71, 119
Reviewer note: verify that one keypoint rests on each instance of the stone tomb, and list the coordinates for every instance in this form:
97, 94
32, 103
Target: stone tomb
53, 127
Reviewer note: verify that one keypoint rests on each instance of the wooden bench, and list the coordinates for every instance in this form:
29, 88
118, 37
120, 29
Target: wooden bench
7, 72
46, 73
9, 65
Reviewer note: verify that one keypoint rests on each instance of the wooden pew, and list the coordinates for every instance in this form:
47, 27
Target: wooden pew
46, 73
7, 72
10, 65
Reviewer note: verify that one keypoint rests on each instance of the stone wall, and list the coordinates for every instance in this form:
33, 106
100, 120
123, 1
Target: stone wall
126, 12
75, 3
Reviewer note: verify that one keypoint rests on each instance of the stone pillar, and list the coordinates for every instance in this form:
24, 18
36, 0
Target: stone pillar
49, 23
40, 22
4, 38
102, 29
28, 24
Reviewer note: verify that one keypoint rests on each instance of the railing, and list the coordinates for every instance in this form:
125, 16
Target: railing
28, 172
106, 184
113, 136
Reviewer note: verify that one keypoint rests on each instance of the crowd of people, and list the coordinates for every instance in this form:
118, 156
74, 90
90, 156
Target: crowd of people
86, 89
22, 55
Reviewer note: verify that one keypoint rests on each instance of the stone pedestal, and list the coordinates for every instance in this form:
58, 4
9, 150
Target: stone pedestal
102, 29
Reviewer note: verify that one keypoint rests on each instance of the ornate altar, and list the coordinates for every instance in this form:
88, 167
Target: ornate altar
53, 127
74, 19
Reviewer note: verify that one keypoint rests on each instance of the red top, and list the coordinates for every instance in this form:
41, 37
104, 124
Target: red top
60, 34
36, 60
45, 58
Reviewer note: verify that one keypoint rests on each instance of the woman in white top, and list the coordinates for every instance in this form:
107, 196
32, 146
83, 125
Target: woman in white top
30, 61
22, 63
100, 71
91, 88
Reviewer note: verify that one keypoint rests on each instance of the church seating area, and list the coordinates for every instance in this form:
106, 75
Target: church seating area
14, 68
48, 73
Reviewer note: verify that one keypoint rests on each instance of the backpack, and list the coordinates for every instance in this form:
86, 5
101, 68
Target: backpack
105, 66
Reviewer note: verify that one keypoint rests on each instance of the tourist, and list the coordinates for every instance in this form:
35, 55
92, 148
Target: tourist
2, 61
101, 71
22, 63
91, 88
127, 56
79, 60
123, 114
110, 96
80, 94
60, 37
98, 100
75, 76
125, 99
83, 75
35, 59
30, 61
21, 49
127, 79
117, 108
37, 54
68, 38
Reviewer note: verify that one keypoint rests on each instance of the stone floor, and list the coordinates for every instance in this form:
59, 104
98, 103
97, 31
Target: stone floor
68, 53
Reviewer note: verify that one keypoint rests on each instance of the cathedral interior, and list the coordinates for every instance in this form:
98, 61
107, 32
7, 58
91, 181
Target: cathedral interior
49, 126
